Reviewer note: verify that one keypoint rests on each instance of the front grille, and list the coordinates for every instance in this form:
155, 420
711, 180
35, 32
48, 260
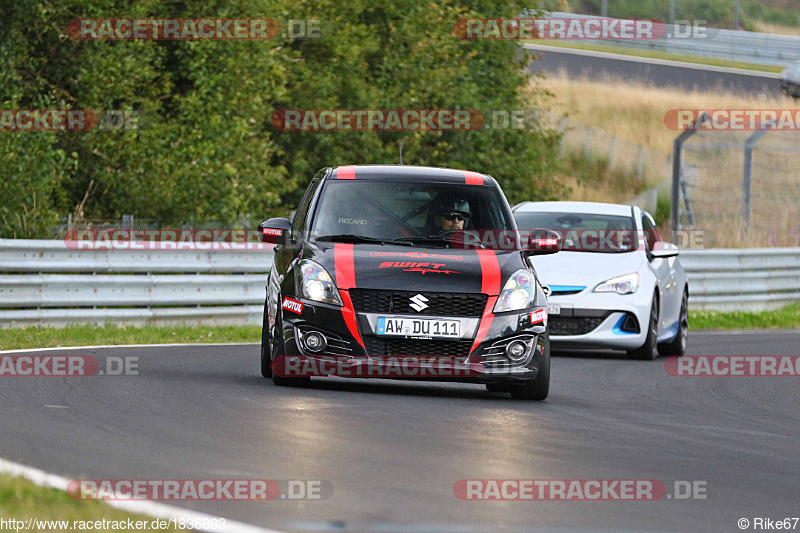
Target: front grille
573, 325
417, 347
397, 302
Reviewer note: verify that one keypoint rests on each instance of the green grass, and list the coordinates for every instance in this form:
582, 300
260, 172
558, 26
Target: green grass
85, 335
785, 318
21, 500
657, 54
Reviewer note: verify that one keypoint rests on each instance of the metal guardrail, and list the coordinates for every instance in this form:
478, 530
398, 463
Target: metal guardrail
228, 287
732, 45
49, 283
742, 280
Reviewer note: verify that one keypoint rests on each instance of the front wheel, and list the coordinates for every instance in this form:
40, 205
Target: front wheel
277, 349
678, 345
649, 350
266, 357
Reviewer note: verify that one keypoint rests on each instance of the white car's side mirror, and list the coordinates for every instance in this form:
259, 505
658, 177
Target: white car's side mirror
663, 250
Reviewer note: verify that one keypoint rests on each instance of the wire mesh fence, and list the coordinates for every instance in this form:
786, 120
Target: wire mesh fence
743, 187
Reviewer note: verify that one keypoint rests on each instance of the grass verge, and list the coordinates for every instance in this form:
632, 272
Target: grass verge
785, 318
657, 54
20, 499
86, 335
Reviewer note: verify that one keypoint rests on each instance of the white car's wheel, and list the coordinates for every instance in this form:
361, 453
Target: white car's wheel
678, 345
649, 350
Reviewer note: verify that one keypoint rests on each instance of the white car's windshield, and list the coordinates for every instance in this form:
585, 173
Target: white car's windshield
585, 232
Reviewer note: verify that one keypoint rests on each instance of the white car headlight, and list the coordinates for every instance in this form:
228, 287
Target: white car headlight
627, 284
316, 284
518, 292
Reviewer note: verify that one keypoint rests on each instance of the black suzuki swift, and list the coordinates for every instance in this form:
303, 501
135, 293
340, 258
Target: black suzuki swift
406, 272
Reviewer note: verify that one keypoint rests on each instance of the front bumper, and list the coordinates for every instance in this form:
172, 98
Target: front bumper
354, 350
600, 320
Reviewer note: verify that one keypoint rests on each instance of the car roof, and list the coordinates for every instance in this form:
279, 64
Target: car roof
405, 172
574, 207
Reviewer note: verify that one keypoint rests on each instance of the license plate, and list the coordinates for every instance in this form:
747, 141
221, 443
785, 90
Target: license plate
419, 327
553, 309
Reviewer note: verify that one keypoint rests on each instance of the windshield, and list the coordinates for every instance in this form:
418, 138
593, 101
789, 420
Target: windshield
585, 232
406, 212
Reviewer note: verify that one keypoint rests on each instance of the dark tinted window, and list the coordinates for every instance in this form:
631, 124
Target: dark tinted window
390, 210
584, 232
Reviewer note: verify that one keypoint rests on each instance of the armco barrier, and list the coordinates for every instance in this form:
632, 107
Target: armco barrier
731, 45
46, 283
49, 283
748, 280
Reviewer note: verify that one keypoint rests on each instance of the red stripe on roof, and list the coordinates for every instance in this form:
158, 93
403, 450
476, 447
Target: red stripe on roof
473, 178
346, 173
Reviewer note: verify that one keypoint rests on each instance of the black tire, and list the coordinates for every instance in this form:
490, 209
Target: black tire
649, 350
276, 349
539, 387
678, 345
266, 357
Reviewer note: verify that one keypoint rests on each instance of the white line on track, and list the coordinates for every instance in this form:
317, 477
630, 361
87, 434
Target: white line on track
59, 348
651, 61
157, 510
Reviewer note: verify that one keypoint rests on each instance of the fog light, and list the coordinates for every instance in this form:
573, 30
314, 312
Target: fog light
315, 342
516, 350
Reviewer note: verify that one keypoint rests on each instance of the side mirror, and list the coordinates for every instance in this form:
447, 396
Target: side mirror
543, 242
275, 230
662, 250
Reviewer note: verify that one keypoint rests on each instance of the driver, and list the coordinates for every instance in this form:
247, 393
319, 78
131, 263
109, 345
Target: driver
451, 214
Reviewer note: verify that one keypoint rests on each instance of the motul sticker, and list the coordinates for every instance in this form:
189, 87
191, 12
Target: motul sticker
539, 316
293, 305
273, 231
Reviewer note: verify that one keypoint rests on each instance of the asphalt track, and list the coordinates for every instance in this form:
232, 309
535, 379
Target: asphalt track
578, 64
393, 450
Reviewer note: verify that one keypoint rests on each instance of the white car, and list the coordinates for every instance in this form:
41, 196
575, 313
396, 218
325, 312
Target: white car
615, 283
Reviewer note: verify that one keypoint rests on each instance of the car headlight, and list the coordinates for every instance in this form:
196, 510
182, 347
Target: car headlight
518, 292
627, 284
316, 284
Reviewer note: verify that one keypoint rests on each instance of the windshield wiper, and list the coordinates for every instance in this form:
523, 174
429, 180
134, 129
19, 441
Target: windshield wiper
430, 239
358, 239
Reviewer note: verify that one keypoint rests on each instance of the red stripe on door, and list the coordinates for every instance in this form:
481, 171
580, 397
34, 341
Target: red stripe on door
473, 178
346, 173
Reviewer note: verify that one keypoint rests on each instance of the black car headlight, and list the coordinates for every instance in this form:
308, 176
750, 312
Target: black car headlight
316, 284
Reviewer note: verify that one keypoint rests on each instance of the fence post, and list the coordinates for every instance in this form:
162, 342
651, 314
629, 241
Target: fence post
587, 144
612, 151
562, 129
640, 164
747, 178
677, 160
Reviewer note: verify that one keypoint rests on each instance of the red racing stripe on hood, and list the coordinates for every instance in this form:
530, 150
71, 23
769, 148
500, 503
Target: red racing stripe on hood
490, 284
346, 173
345, 272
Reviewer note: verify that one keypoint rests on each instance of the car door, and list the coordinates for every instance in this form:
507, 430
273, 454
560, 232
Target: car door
666, 276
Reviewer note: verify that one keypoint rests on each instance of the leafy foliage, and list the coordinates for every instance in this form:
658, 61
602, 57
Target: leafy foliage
207, 149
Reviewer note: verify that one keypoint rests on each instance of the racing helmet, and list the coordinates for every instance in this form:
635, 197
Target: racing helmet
458, 205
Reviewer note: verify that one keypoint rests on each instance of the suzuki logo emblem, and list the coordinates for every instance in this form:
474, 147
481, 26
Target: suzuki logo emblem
418, 303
